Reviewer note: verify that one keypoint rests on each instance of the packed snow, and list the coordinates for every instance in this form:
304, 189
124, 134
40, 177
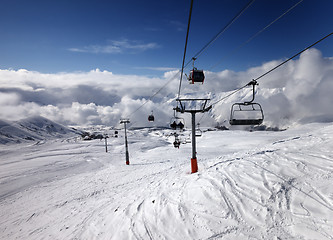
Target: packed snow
250, 185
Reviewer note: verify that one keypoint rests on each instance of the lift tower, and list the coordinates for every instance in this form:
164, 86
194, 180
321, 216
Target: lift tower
124, 121
193, 106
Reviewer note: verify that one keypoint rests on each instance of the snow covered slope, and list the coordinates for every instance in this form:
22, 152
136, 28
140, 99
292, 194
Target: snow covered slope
32, 129
250, 185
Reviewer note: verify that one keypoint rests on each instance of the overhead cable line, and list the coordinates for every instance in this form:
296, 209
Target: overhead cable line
229, 95
197, 54
224, 29
182, 69
274, 68
157, 92
262, 30
204, 48
293, 56
187, 32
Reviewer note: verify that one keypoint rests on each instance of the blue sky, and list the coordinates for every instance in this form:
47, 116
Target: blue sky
94, 62
147, 37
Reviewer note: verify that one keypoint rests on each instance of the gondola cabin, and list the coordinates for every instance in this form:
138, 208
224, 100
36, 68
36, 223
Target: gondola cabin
151, 117
196, 76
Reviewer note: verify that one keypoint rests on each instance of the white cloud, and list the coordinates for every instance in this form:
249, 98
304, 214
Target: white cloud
114, 47
126, 44
9, 99
162, 69
299, 91
97, 49
94, 97
178, 25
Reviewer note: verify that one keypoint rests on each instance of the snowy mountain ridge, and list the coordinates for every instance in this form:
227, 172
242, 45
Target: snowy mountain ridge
32, 129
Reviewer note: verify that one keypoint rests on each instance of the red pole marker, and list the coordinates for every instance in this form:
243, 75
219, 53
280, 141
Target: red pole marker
194, 165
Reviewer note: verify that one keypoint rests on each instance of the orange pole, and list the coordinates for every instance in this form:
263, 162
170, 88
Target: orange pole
194, 165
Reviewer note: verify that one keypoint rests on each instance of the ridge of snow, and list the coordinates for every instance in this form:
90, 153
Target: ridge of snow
32, 129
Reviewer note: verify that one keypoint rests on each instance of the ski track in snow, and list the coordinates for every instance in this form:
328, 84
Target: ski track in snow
250, 185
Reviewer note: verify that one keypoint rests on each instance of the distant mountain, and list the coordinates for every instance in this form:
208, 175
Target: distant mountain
32, 129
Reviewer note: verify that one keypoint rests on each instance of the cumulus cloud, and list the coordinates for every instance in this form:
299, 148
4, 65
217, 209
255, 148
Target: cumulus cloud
94, 97
299, 91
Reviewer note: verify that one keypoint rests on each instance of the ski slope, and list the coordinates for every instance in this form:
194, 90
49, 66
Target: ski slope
250, 185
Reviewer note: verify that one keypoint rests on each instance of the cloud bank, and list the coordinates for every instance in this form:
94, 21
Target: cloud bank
298, 92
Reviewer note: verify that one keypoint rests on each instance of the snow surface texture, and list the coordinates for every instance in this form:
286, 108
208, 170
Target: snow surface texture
250, 185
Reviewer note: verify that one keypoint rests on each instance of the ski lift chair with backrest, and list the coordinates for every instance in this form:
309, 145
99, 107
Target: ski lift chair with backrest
177, 123
198, 132
247, 113
176, 143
